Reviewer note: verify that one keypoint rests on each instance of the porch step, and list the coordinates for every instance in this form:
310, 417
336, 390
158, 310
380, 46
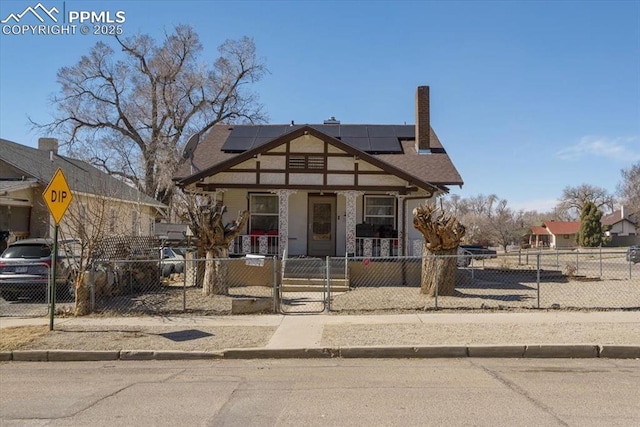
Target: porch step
307, 284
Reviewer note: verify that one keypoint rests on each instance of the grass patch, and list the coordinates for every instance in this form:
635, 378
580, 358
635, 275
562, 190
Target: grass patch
17, 337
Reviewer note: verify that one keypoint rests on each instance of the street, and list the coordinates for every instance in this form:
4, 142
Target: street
359, 392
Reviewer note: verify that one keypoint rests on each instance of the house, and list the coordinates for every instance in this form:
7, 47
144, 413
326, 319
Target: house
25, 172
622, 227
555, 234
327, 189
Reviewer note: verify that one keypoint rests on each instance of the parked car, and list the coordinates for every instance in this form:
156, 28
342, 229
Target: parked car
25, 268
171, 261
633, 254
468, 252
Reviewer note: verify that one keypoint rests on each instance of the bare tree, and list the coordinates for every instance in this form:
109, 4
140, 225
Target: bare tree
205, 218
442, 234
574, 199
129, 112
629, 189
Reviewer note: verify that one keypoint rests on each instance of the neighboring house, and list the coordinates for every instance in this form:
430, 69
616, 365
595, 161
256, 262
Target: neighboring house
25, 172
328, 189
623, 227
555, 234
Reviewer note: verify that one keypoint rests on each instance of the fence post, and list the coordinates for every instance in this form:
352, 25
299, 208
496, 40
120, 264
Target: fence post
538, 279
436, 266
276, 291
577, 261
601, 260
92, 289
557, 258
328, 273
184, 282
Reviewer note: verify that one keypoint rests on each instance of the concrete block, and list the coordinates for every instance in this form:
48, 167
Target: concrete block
561, 350
278, 353
251, 305
431, 351
82, 355
136, 354
5, 356
496, 350
186, 355
30, 355
620, 351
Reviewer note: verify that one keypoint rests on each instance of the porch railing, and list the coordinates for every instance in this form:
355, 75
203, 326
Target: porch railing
365, 246
262, 244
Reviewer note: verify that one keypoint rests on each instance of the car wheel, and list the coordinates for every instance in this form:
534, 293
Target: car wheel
10, 295
167, 270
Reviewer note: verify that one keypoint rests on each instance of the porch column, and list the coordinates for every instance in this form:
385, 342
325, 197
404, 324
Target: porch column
351, 197
283, 219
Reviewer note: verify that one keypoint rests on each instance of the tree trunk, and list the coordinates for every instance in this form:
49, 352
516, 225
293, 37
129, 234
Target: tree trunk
439, 271
442, 234
215, 272
83, 296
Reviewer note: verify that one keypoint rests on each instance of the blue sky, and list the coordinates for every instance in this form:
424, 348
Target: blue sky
528, 97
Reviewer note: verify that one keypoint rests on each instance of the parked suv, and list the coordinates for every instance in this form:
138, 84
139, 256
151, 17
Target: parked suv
25, 267
171, 261
633, 254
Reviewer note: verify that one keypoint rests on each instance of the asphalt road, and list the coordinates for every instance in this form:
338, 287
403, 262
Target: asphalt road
356, 392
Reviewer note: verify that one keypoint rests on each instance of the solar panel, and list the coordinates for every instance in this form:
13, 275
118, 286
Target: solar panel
381, 131
331, 130
405, 131
359, 143
234, 143
385, 145
353, 131
244, 131
371, 138
273, 131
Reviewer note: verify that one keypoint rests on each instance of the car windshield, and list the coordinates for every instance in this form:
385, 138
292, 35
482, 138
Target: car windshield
27, 251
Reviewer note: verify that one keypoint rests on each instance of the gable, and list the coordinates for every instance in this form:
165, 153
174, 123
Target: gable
306, 160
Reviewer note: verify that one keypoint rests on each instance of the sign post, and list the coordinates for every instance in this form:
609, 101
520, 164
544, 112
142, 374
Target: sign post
57, 196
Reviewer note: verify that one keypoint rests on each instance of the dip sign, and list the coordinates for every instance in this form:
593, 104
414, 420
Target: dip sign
57, 196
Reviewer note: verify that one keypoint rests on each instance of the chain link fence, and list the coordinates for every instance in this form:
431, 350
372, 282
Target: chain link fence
582, 279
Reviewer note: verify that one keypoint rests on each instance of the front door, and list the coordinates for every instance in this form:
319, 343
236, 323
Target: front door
322, 226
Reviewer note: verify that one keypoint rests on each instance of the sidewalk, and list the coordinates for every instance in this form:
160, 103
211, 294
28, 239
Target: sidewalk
614, 334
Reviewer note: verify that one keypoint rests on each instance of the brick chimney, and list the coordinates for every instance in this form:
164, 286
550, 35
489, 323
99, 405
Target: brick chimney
48, 144
423, 122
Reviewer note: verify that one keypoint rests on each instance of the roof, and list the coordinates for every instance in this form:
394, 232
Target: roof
561, 227
12, 185
434, 168
616, 217
81, 176
539, 231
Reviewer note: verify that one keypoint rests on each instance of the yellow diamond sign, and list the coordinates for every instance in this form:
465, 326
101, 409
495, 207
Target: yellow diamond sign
57, 196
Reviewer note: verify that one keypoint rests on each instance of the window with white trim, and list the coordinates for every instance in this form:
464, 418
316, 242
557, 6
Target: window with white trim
263, 209
380, 211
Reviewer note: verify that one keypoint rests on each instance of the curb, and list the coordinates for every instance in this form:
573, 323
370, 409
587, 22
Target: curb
577, 351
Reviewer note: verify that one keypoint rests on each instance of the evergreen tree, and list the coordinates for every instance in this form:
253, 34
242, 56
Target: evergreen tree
590, 233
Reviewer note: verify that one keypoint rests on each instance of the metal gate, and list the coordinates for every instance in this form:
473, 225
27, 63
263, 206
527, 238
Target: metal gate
303, 286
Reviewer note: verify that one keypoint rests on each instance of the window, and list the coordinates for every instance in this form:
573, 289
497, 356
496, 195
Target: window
264, 212
380, 211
